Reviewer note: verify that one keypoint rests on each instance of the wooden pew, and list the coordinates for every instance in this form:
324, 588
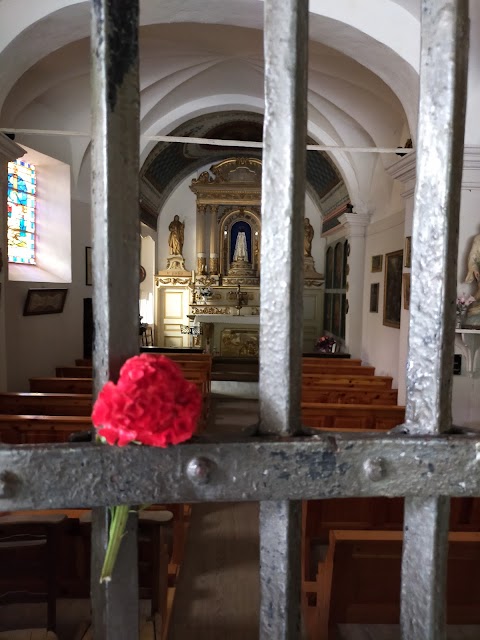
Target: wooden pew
61, 385
31, 429
319, 380
47, 404
348, 362
349, 395
335, 370
359, 581
74, 372
356, 416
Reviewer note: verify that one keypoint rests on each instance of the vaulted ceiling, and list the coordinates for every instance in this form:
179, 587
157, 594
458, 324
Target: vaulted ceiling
201, 58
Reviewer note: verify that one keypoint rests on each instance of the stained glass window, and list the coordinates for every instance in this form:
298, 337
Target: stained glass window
22, 185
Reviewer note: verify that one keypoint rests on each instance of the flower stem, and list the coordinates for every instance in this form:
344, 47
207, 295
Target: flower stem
115, 535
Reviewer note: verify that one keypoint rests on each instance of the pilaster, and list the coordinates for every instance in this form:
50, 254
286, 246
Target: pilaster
355, 225
8, 151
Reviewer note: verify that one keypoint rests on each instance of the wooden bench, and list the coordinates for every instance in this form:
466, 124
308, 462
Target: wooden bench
349, 395
47, 404
335, 370
74, 372
319, 380
348, 362
356, 416
359, 581
33, 429
61, 385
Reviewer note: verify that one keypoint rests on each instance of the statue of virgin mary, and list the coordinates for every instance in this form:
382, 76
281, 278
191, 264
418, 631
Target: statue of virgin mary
241, 249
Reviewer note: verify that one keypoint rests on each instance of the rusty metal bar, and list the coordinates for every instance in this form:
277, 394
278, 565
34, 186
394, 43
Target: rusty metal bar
281, 297
116, 246
332, 465
443, 78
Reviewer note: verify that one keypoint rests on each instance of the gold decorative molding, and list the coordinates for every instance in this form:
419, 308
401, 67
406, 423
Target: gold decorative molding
169, 280
212, 311
239, 342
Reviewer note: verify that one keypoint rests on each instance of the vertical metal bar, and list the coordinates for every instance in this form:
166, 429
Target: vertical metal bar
115, 166
434, 268
280, 544
283, 203
281, 314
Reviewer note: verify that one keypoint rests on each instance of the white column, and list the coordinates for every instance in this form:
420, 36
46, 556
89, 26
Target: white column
201, 255
213, 263
404, 170
355, 225
8, 151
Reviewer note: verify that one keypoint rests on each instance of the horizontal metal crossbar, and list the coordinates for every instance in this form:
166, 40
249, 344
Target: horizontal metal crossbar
330, 465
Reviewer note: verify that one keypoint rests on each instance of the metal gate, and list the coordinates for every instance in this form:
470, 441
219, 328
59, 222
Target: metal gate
278, 466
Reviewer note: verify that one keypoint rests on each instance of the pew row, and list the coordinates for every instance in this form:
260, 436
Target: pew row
34, 429
359, 581
342, 395
355, 416
319, 380
47, 404
335, 370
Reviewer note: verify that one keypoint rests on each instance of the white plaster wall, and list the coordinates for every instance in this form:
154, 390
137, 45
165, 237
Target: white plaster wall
381, 343
38, 344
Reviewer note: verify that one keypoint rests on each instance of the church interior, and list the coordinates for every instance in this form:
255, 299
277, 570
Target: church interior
200, 211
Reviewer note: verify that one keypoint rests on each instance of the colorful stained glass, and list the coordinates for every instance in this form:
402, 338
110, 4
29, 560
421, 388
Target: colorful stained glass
22, 186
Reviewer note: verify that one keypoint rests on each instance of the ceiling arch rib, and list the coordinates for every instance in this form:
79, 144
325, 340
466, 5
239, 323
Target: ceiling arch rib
377, 44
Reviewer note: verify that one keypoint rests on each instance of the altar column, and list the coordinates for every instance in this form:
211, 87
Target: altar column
9, 151
201, 254
213, 265
355, 225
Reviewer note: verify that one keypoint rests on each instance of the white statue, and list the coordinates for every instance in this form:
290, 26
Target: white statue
241, 250
473, 276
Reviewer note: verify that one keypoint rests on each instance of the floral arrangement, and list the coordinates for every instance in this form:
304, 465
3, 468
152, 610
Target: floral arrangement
325, 344
151, 404
463, 302
206, 292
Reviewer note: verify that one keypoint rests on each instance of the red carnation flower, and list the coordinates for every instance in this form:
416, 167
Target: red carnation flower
151, 404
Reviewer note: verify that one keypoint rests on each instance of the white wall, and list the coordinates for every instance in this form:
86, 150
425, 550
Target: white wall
381, 343
38, 344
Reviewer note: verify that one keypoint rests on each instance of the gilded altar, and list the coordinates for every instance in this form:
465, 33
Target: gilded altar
216, 304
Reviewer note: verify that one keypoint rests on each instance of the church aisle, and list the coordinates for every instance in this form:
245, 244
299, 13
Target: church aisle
217, 594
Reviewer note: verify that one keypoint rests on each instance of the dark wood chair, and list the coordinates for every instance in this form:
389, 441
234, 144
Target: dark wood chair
28, 557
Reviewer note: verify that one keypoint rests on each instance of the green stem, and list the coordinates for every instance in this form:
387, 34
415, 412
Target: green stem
115, 535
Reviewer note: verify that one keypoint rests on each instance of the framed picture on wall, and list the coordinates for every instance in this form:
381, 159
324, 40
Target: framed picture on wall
88, 266
377, 264
406, 291
392, 297
42, 301
374, 291
408, 252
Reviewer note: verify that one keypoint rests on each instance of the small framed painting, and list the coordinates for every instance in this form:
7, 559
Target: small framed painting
406, 291
43, 301
88, 266
377, 264
374, 291
392, 297
408, 252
